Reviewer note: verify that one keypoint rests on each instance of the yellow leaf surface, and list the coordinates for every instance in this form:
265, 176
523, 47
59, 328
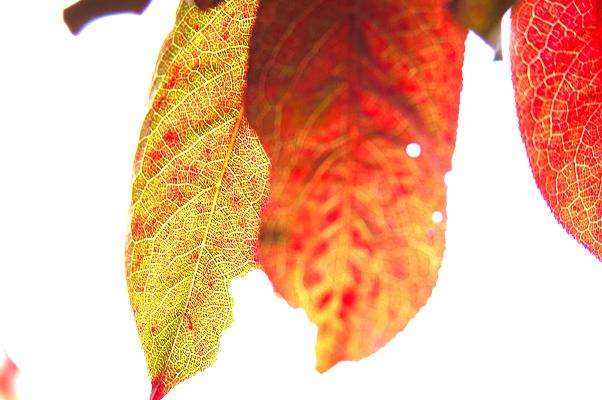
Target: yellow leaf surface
200, 181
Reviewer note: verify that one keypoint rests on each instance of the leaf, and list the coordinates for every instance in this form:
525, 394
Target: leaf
337, 90
201, 178
484, 17
8, 373
556, 58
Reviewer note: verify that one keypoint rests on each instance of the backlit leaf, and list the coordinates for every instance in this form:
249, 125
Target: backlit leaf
8, 373
337, 90
556, 59
200, 180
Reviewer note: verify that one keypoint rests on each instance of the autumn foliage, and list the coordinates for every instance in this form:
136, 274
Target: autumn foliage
349, 233
556, 63
8, 374
200, 183
311, 139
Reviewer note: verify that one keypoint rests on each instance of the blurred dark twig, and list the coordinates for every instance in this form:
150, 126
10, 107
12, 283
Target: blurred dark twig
483, 17
78, 15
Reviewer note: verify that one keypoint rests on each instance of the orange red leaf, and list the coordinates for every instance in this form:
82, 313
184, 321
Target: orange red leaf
8, 373
556, 57
337, 90
200, 180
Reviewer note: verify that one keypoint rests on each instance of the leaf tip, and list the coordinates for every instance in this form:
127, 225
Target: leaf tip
157, 390
322, 367
326, 357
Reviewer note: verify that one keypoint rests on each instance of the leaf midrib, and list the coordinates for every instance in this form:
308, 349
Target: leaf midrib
214, 202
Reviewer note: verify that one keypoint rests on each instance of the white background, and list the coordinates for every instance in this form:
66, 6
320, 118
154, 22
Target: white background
516, 314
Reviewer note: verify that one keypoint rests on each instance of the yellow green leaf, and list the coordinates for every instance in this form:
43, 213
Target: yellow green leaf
200, 181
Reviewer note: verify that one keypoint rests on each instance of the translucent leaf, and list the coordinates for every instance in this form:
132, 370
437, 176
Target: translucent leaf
200, 181
356, 103
556, 57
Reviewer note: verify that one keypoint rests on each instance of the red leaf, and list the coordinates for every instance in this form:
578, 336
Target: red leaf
556, 63
337, 90
8, 373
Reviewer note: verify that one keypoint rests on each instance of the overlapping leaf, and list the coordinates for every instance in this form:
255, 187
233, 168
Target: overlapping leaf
200, 182
556, 60
337, 90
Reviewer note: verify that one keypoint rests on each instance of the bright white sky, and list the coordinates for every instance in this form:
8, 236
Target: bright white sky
516, 314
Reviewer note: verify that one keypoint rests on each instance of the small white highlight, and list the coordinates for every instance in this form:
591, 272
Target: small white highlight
447, 178
437, 217
413, 150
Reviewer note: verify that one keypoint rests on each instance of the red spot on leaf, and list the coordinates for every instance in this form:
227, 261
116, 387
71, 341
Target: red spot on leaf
159, 102
360, 242
320, 249
194, 256
311, 277
374, 291
333, 216
297, 173
356, 273
174, 193
348, 298
137, 228
297, 244
142, 227
136, 263
173, 178
155, 155
228, 180
324, 300
174, 76
171, 138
